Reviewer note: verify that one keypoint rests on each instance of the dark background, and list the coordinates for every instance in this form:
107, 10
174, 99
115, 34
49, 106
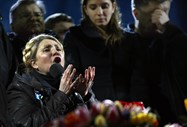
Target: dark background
178, 13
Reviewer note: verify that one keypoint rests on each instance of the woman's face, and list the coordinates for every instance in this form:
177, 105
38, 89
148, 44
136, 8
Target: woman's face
100, 11
48, 53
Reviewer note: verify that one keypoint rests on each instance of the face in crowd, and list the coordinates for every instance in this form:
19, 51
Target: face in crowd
148, 13
28, 19
61, 28
41, 52
99, 11
59, 23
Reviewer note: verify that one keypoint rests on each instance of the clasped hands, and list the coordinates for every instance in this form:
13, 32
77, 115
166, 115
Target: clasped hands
81, 84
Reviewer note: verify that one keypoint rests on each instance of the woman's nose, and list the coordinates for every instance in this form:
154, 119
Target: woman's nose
99, 11
54, 51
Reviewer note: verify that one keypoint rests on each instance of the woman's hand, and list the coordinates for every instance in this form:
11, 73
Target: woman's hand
67, 84
85, 84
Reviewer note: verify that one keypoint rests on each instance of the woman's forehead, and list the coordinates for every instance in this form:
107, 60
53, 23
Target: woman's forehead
49, 42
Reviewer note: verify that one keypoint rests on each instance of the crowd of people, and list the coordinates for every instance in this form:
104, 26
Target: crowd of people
50, 66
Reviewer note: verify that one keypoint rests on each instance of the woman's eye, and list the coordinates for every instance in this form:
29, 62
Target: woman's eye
105, 5
58, 49
46, 50
93, 7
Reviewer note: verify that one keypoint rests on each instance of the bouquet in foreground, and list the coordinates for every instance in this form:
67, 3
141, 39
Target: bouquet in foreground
109, 114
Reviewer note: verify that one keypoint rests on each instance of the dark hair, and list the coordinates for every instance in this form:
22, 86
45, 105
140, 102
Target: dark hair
139, 3
51, 20
20, 3
114, 31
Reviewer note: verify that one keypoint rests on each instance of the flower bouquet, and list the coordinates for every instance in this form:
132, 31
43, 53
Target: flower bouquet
109, 114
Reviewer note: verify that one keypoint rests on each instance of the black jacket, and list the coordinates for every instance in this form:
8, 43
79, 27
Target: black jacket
166, 70
7, 69
114, 64
33, 100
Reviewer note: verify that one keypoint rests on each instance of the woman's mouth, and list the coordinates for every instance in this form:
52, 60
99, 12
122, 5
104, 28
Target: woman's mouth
57, 60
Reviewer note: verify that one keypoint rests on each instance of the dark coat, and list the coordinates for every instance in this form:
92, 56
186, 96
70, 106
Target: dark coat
114, 64
7, 69
166, 70
174, 68
33, 100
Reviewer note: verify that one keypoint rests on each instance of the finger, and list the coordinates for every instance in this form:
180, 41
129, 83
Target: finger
72, 74
65, 75
68, 70
86, 75
92, 73
80, 78
89, 72
75, 83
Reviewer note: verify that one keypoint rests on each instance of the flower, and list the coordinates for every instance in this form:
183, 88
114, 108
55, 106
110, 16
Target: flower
185, 103
109, 114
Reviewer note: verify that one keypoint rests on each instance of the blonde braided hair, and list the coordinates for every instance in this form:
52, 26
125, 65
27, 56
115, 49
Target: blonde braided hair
31, 47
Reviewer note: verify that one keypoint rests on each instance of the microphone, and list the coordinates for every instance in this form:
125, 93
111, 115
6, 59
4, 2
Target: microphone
56, 70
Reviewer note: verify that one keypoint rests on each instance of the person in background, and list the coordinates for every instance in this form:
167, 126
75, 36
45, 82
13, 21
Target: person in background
37, 94
26, 18
59, 23
164, 47
100, 41
7, 70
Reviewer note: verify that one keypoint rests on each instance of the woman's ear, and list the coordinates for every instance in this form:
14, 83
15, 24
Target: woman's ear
34, 64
